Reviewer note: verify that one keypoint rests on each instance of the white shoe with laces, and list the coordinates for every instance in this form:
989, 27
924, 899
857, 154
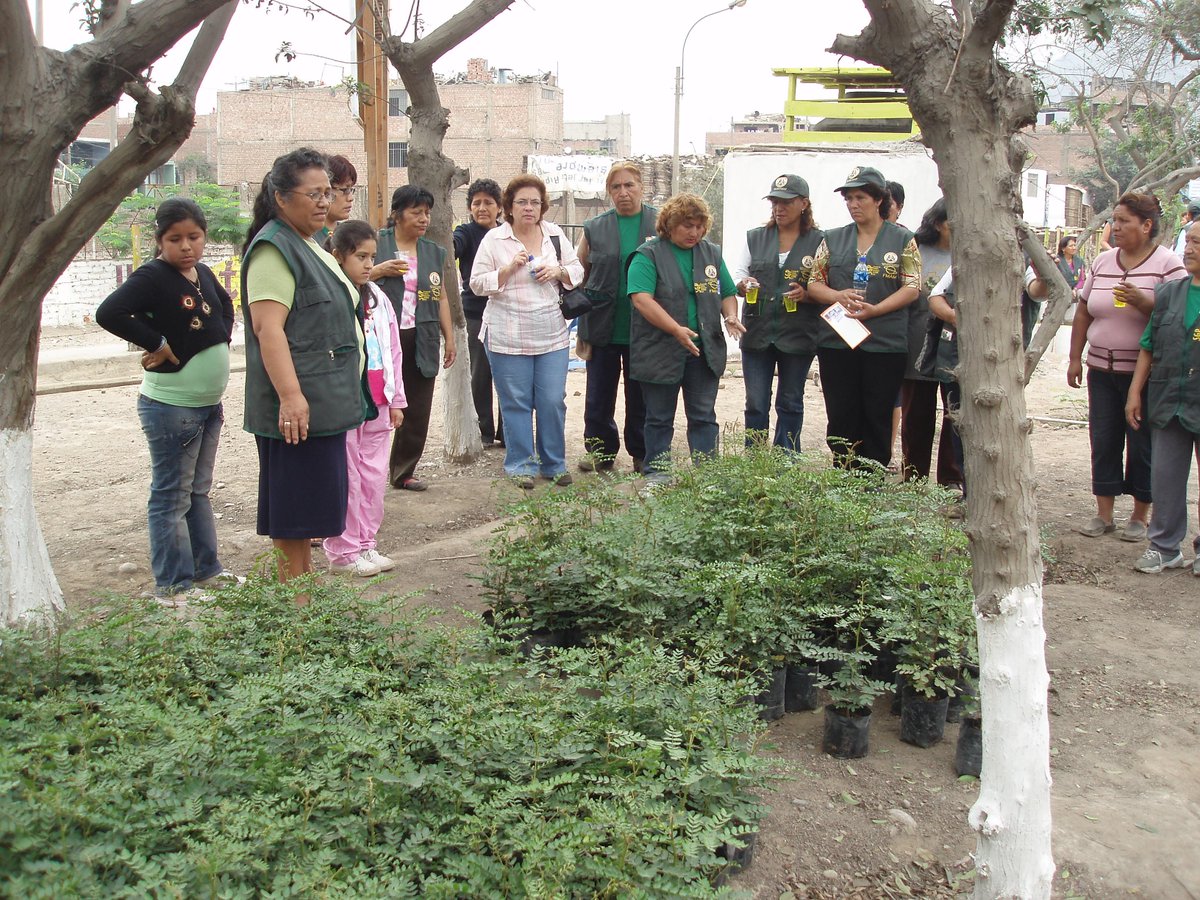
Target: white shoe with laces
360, 566
374, 556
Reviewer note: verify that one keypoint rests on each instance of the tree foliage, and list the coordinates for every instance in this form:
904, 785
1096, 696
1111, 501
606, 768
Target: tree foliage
226, 222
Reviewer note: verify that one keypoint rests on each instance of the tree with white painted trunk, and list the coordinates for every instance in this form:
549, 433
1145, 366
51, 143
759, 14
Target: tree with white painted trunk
429, 167
969, 107
50, 96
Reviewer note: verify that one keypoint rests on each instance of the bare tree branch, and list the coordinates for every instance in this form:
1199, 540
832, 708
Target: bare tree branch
428, 49
203, 49
990, 22
1059, 294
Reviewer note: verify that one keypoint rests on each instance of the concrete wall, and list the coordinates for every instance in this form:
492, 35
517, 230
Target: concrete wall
86, 282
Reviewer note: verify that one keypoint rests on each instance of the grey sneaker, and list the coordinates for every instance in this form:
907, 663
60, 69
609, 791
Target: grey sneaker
1152, 562
224, 578
1196, 566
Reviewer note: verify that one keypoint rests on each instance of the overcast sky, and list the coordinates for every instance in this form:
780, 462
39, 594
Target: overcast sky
611, 56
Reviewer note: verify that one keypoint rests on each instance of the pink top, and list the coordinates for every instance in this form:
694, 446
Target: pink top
1115, 332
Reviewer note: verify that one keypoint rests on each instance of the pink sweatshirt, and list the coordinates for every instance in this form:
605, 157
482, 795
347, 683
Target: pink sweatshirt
1115, 332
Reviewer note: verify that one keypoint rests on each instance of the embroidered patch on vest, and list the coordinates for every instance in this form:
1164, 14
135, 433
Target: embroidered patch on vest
435, 279
710, 271
890, 257
807, 262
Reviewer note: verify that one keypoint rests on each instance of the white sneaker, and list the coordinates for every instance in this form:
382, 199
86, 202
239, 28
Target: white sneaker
224, 578
361, 566
374, 556
179, 599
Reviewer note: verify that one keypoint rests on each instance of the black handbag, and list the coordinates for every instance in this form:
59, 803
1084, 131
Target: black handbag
573, 302
926, 361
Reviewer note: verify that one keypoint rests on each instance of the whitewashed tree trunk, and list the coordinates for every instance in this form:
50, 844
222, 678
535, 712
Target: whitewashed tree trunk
52, 95
29, 592
969, 107
430, 168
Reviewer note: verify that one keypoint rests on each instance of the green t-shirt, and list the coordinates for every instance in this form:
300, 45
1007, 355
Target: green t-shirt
643, 279
1191, 313
271, 279
630, 229
201, 381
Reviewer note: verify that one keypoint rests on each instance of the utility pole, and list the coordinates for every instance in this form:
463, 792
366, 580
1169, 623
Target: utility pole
373, 105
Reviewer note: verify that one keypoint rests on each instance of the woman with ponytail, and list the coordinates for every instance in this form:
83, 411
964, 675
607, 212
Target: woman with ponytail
304, 361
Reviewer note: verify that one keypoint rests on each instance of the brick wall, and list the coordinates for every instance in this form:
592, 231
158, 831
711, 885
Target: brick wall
493, 127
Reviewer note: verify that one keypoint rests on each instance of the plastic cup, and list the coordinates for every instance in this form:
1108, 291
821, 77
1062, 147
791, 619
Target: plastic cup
1118, 291
406, 259
789, 304
752, 293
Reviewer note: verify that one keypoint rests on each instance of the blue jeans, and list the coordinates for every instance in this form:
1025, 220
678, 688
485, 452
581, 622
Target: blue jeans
699, 385
183, 448
758, 371
529, 386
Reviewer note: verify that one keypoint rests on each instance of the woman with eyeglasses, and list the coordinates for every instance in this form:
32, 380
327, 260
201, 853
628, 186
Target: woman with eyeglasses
344, 178
408, 268
304, 361
520, 267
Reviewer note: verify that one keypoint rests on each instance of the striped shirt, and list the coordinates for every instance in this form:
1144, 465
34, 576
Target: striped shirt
1115, 332
522, 318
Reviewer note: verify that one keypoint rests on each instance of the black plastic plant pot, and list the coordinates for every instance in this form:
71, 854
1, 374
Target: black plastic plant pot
968, 755
739, 858
771, 701
922, 720
847, 733
964, 698
800, 690
883, 666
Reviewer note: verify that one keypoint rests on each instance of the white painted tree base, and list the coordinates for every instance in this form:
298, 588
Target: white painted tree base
29, 592
461, 439
1012, 813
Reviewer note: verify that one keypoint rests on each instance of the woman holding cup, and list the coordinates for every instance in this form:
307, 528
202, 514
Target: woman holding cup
1117, 299
781, 324
408, 268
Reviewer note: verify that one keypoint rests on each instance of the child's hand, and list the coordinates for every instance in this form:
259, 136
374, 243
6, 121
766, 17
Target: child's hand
396, 417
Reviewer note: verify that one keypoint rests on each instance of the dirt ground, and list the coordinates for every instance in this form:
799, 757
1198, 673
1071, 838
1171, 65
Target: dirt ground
1123, 651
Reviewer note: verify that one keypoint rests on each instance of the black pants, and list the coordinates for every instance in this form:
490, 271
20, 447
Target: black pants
490, 429
600, 434
409, 441
918, 410
860, 393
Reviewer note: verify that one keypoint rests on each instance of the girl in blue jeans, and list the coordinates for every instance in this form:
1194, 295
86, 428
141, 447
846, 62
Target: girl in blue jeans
176, 310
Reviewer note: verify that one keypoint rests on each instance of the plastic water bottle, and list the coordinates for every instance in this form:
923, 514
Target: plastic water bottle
861, 275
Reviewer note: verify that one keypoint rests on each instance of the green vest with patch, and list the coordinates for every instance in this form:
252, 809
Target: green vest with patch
889, 333
767, 322
604, 271
431, 260
654, 355
1174, 387
322, 334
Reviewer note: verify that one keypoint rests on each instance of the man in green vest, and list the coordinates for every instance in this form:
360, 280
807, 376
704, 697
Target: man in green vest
609, 239
1170, 360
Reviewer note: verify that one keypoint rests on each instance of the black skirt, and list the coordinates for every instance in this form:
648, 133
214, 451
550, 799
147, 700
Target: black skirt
302, 488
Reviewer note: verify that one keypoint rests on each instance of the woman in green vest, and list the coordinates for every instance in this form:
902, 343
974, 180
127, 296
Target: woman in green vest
781, 323
304, 361
408, 268
1169, 360
872, 267
681, 293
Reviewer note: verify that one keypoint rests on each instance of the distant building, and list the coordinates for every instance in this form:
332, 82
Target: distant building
610, 136
497, 118
870, 106
755, 128
191, 162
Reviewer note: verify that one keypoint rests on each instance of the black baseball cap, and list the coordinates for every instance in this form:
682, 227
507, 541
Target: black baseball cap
788, 187
861, 177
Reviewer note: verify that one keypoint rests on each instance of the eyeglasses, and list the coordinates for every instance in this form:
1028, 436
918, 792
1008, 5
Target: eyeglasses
314, 196
347, 192
536, 203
